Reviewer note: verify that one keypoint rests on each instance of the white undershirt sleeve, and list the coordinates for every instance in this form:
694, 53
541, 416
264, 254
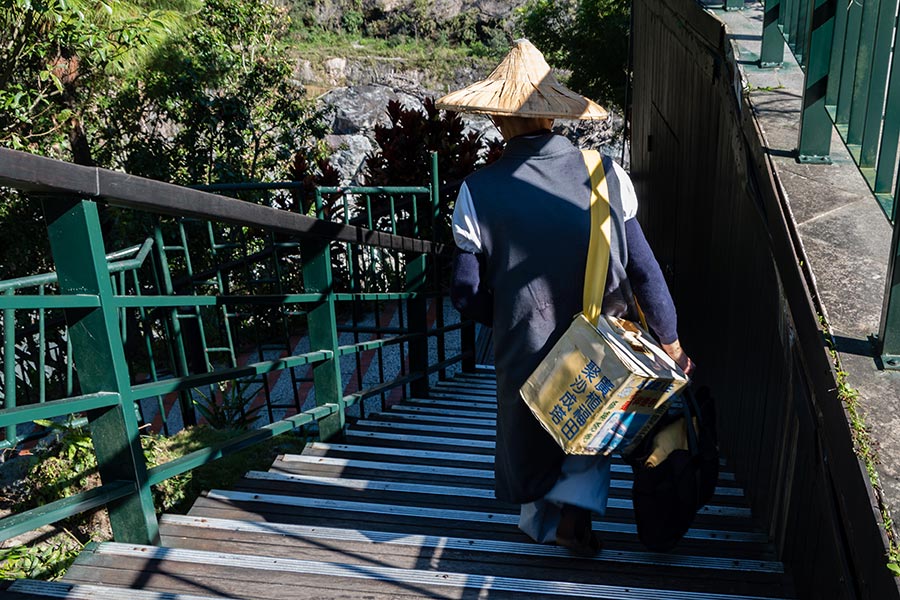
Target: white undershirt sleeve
629, 197
466, 232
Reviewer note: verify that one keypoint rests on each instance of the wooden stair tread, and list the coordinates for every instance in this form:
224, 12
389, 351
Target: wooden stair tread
403, 507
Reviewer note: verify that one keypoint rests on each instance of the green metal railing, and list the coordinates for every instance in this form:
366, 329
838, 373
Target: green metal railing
33, 341
847, 50
217, 279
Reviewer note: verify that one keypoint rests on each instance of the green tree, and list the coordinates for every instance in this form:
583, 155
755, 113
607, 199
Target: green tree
60, 58
216, 104
587, 37
195, 93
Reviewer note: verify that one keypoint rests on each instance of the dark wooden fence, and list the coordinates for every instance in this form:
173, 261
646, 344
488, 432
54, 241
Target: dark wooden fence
716, 219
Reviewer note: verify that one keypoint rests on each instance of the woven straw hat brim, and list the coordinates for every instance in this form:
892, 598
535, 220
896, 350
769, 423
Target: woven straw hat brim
522, 85
522, 99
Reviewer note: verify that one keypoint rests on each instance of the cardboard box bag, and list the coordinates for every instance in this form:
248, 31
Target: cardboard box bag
601, 389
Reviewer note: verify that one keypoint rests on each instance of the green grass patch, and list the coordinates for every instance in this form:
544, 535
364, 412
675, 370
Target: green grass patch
863, 445
439, 59
177, 494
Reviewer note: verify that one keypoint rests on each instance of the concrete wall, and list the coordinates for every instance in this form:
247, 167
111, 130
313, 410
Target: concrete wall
717, 221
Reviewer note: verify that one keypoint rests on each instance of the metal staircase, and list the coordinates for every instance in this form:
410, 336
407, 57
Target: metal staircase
403, 507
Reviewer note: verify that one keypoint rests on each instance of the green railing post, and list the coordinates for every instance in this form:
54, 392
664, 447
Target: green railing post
76, 243
814, 144
322, 324
417, 321
9, 365
416, 280
889, 330
772, 52
890, 135
875, 109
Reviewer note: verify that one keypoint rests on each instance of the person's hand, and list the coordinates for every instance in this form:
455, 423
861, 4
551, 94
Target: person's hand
681, 359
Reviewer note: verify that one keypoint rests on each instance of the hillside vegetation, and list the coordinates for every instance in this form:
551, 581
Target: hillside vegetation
200, 91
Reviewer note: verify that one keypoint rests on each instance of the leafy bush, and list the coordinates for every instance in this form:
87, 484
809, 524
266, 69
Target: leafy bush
68, 466
231, 408
216, 104
47, 561
404, 156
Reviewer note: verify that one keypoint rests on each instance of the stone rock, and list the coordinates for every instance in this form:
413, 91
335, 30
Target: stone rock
303, 72
336, 70
442, 10
482, 125
349, 152
358, 109
492, 9
390, 5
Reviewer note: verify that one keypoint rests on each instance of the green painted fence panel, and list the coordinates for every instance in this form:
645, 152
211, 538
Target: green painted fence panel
875, 106
889, 330
772, 50
815, 124
848, 64
890, 135
863, 76
76, 242
837, 60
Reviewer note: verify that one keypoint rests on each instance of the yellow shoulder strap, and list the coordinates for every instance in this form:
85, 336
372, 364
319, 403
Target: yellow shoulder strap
598, 249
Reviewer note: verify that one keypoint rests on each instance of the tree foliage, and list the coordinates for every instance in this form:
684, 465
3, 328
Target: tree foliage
61, 58
214, 105
199, 92
587, 37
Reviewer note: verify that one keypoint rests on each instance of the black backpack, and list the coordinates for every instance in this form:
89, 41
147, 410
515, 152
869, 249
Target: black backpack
668, 496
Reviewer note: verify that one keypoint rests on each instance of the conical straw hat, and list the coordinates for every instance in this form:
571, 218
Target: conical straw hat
522, 86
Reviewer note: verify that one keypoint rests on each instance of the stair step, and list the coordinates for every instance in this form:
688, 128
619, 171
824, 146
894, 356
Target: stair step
447, 395
401, 454
473, 555
476, 388
488, 385
178, 526
26, 589
438, 410
489, 390
464, 494
448, 405
370, 424
404, 417
474, 378
406, 455
419, 512
262, 577
422, 440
